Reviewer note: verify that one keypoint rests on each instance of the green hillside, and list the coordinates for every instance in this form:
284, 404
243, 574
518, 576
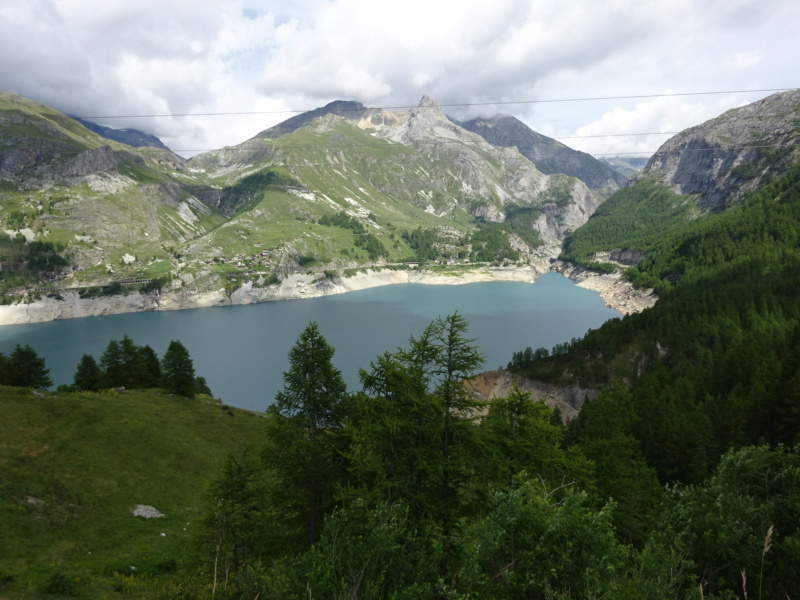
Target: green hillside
714, 364
632, 219
74, 466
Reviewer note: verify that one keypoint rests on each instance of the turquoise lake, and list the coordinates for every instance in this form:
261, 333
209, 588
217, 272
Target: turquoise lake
242, 351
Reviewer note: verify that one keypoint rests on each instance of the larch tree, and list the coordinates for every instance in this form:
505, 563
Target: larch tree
305, 435
88, 376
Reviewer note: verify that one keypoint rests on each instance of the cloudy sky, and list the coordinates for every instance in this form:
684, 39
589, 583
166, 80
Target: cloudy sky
535, 58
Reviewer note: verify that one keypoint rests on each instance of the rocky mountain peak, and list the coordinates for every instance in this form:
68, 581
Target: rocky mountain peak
428, 102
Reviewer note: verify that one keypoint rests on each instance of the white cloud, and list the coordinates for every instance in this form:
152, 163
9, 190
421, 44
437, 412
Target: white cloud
92, 57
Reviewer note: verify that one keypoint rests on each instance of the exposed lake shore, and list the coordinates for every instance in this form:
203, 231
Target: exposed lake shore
188, 293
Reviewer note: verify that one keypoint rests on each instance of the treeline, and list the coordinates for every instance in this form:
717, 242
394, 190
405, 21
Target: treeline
412, 488
123, 364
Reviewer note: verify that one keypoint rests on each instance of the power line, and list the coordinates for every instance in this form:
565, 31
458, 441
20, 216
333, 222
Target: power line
452, 105
565, 137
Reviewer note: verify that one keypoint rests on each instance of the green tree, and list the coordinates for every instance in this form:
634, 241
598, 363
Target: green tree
457, 359
519, 435
177, 370
528, 546
396, 432
414, 439
5, 369
151, 367
371, 552
232, 527
28, 369
132, 368
721, 524
604, 431
305, 438
111, 364
88, 376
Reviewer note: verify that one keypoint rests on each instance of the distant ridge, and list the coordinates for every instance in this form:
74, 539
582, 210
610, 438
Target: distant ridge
549, 155
342, 108
131, 137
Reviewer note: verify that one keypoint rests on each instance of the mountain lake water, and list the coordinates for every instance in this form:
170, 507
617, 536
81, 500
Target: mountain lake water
242, 351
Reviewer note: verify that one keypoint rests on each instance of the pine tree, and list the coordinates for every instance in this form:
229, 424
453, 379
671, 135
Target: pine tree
88, 376
177, 370
151, 367
5, 370
111, 365
27, 369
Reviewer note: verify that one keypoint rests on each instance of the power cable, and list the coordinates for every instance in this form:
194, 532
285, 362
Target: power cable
451, 105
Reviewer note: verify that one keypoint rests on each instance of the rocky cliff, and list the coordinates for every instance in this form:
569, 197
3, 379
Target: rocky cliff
726, 157
500, 384
550, 156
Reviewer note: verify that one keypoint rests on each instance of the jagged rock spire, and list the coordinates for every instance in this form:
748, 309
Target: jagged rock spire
428, 102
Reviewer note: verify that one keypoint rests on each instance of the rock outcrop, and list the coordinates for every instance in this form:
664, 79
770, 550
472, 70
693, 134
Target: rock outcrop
726, 157
499, 384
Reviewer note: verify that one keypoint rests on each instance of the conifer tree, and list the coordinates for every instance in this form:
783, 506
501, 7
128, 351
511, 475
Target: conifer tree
177, 370
307, 419
27, 368
150, 367
88, 376
111, 365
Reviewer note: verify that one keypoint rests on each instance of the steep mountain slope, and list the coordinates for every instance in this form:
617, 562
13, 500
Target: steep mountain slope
705, 169
418, 157
549, 155
714, 364
105, 207
726, 157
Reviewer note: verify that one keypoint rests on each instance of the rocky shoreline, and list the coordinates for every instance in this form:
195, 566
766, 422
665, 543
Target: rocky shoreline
189, 293
615, 291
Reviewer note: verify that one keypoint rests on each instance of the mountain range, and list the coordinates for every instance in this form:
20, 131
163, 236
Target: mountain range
341, 187
413, 184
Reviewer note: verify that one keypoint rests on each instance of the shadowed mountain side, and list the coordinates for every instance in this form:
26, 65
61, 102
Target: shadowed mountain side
549, 155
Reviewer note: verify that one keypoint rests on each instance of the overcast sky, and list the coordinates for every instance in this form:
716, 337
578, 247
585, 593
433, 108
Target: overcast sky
143, 57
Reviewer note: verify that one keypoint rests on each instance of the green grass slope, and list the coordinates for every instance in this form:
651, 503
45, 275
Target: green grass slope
72, 468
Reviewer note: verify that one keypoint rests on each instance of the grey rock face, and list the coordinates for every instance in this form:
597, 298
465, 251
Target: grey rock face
549, 155
726, 157
100, 160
